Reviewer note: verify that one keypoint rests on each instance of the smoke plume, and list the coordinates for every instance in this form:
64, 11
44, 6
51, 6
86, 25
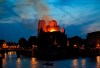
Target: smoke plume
40, 7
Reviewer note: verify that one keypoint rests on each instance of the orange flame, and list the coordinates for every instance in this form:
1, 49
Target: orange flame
51, 26
52, 30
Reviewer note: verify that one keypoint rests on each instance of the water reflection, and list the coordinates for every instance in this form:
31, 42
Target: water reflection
98, 62
10, 61
9, 54
75, 63
83, 62
98, 59
18, 63
5, 55
4, 61
34, 63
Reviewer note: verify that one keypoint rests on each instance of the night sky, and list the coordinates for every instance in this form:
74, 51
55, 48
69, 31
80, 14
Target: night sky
19, 18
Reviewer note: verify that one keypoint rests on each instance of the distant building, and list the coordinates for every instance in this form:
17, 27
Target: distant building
93, 39
76, 42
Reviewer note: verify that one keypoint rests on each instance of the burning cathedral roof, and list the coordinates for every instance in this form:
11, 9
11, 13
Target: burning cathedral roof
49, 26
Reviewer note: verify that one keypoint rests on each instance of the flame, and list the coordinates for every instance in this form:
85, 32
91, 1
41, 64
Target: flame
50, 26
52, 30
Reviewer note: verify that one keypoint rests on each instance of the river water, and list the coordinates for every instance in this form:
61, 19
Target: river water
10, 61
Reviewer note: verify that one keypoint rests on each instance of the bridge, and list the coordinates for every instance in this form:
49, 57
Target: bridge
19, 51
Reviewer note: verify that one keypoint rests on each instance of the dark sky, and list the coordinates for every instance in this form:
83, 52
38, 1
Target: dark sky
19, 18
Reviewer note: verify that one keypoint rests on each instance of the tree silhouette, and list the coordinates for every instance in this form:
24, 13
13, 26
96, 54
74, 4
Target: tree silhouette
1, 42
22, 42
32, 41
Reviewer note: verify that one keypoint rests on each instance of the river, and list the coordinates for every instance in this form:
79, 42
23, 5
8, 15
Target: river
10, 61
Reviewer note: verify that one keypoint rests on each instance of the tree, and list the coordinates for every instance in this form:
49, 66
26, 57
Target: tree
22, 42
32, 41
1, 42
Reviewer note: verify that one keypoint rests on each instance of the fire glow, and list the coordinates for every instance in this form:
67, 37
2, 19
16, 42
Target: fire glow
50, 26
52, 30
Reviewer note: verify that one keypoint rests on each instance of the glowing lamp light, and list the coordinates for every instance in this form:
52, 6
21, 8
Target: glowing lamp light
98, 45
75, 45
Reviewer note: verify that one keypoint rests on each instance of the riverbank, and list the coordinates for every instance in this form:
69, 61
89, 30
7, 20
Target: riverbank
58, 55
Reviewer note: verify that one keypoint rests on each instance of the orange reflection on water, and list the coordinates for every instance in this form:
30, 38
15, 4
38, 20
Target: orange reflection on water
4, 62
98, 59
9, 53
34, 63
98, 62
18, 63
75, 63
18, 60
83, 63
5, 55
